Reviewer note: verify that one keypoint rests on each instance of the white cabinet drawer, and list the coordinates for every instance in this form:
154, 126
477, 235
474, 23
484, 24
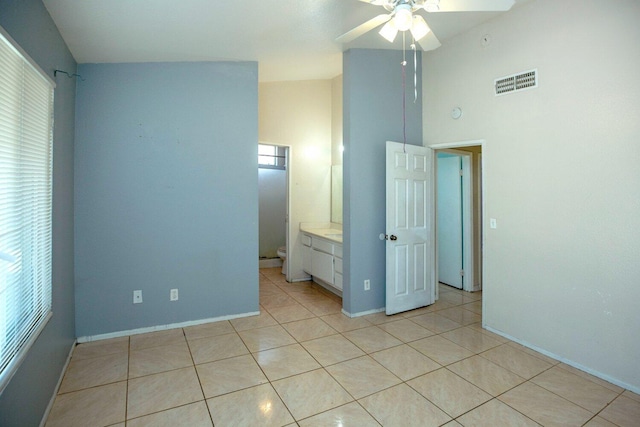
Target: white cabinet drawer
338, 265
323, 246
338, 281
306, 240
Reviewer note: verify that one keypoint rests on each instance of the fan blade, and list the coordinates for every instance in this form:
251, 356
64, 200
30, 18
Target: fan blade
363, 28
474, 5
374, 2
429, 42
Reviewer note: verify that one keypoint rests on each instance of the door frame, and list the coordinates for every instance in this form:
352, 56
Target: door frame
453, 146
287, 222
468, 249
287, 225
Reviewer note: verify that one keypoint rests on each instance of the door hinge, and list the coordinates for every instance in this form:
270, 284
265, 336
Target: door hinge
462, 272
461, 173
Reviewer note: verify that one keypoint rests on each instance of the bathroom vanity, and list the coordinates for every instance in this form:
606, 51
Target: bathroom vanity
322, 255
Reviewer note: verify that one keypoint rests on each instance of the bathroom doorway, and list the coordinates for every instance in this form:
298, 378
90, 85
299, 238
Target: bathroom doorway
464, 190
273, 205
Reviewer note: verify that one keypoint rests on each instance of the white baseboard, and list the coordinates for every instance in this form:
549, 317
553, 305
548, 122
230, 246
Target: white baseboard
119, 334
302, 279
363, 313
586, 369
270, 263
47, 411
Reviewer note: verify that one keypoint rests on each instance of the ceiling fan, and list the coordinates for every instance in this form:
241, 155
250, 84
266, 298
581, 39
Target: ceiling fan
403, 16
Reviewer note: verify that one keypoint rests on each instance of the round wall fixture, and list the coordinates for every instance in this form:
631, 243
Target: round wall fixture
456, 113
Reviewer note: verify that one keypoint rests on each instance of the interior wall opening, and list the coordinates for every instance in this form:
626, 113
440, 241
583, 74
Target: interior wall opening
459, 215
273, 190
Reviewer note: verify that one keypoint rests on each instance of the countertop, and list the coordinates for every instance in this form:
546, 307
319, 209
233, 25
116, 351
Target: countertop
332, 234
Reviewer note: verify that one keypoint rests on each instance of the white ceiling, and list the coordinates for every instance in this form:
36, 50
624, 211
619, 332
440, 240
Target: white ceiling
291, 39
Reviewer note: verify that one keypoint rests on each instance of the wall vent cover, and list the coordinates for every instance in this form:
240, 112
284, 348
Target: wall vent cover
516, 82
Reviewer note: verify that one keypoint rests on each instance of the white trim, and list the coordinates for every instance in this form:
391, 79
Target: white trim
576, 365
468, 258
287, 231
287, 244
480, 217
303, 279
469, 143
119, 334
270, 263
47, 410
363, 313
460, 144
433, 232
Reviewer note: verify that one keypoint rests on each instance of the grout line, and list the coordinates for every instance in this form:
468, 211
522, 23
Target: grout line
126, 389
321, 293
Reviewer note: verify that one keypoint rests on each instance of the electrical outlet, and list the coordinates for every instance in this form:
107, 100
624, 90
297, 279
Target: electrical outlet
173, 296
367, 285
137, 297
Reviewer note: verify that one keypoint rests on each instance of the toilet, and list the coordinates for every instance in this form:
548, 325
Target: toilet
282, 253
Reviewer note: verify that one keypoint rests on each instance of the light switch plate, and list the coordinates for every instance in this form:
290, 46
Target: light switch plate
137, 297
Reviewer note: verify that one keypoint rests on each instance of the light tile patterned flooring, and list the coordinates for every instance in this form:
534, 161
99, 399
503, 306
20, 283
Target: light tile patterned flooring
301, 362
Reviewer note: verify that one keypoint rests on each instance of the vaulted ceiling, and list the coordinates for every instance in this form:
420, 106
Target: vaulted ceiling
291, 39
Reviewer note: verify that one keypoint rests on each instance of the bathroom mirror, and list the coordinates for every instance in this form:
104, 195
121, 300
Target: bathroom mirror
336, 194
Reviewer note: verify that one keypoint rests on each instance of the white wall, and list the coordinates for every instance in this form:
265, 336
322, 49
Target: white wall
336, 120
336, 150
561, 174
298, 114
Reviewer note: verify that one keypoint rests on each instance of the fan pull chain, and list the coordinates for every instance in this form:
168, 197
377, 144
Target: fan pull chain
415, 71
404, 95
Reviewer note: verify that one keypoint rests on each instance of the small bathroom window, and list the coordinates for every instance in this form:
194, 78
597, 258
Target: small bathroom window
271, 157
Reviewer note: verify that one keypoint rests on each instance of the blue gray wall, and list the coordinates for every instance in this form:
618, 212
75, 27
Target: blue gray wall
26, 397
372, 115
166, 193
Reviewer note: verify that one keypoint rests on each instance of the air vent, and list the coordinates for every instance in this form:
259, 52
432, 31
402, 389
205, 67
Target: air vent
516, 82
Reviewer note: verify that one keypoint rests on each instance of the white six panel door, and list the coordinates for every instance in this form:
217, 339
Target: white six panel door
408, 272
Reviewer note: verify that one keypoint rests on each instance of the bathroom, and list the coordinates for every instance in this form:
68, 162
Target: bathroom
305, 119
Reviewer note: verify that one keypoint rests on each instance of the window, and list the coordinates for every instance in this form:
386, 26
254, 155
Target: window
26, 133
271, 157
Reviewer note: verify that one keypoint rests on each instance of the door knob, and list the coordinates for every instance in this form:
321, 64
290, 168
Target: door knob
393, 237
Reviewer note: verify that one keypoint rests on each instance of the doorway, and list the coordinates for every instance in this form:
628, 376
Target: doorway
458, 210
273, 205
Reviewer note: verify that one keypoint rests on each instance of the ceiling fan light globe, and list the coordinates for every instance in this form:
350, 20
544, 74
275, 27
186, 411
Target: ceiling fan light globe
432, 5
403, 17
419, 29
389, 31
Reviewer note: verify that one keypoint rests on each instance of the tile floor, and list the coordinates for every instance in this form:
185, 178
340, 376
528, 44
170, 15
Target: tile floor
301, 362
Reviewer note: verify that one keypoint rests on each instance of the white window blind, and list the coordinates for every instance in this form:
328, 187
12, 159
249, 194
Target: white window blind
26, 133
